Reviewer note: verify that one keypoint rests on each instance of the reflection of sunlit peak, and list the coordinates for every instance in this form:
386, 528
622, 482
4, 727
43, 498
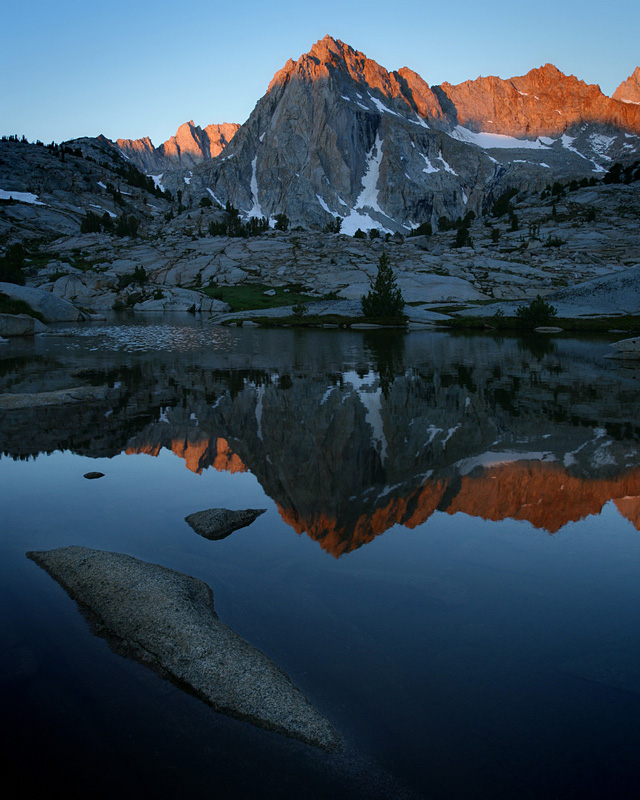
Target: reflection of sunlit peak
629, 507
193, 453
226, 460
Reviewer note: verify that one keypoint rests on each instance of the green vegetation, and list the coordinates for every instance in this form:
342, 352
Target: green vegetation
503, 204
537, 313
335, 226
384, 302
12, 264
359, 234
554, 241
425, 229
9, 306
139, 275
232, 225
282, 222
125, 225
621, 174
249, 297
628, 324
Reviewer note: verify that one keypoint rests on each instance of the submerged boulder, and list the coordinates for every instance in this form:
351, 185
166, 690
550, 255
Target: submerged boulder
166, 620
218, 523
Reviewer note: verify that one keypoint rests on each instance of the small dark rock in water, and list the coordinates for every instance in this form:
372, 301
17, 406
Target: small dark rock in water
166, 620
217, 523
93, 475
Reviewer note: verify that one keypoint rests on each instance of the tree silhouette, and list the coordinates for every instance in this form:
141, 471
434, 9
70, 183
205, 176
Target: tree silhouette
384, 300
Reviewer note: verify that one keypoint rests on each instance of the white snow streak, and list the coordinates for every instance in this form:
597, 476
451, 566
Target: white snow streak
157, 181
21, 197
447, 168
256, 211
382, 108
429, 168
213, 195
326, 207
495, 140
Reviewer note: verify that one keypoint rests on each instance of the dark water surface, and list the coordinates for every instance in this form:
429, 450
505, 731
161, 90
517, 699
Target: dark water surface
449, 565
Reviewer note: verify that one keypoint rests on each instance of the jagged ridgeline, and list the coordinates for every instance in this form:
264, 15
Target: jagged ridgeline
338, 143
338, 136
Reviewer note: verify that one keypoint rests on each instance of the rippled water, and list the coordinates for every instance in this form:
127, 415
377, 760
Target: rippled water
447, 567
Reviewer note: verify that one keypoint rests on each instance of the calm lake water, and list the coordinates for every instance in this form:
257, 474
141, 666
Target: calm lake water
448, 568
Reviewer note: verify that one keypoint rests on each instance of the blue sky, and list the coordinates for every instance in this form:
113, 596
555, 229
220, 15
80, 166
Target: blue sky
130, 69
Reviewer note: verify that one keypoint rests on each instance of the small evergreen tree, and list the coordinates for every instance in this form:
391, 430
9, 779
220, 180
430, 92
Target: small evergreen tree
282, 222
12, 263
537, 313
384, 300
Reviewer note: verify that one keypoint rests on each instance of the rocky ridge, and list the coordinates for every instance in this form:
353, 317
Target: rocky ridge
190, 145
338, 135
629, 90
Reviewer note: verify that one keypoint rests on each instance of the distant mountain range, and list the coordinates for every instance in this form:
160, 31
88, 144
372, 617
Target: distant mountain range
337, 135
190, 146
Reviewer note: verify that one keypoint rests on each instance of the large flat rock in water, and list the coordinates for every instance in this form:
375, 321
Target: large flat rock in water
166, 620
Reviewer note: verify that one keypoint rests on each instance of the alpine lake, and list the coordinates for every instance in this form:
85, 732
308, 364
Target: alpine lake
448, 567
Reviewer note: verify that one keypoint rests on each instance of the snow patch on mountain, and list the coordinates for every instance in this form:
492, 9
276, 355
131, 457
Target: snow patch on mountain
429, 168
21, 197
497, 141
369, 195
256, 210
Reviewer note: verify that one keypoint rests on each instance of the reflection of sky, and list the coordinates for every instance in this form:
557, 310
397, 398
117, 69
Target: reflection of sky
151, 338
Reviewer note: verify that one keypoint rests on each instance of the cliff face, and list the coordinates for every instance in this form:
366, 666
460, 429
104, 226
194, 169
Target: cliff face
190, 146
544, 102
337, 135
629, 90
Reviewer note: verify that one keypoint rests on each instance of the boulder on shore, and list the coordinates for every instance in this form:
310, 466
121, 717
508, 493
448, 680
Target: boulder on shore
20, 325
50, 306
166, 620
626, 348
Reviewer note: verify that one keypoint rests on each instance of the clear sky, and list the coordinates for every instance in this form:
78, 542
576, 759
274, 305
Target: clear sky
132, 69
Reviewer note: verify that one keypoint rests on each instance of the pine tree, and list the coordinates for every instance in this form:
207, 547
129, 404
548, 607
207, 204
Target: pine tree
384, 300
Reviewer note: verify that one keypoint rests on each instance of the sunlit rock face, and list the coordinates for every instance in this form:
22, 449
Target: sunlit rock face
337, 135
544, 102
190, 145
629, 90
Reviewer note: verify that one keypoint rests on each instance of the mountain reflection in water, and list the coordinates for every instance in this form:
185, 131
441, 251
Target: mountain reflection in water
381, 430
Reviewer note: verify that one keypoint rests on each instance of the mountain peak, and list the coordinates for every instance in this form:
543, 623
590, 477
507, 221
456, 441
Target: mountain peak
629, 90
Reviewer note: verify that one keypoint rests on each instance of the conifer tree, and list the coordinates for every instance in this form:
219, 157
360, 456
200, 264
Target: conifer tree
384, 300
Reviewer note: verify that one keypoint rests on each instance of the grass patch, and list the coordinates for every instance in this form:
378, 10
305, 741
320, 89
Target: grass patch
9, 306
251, 297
